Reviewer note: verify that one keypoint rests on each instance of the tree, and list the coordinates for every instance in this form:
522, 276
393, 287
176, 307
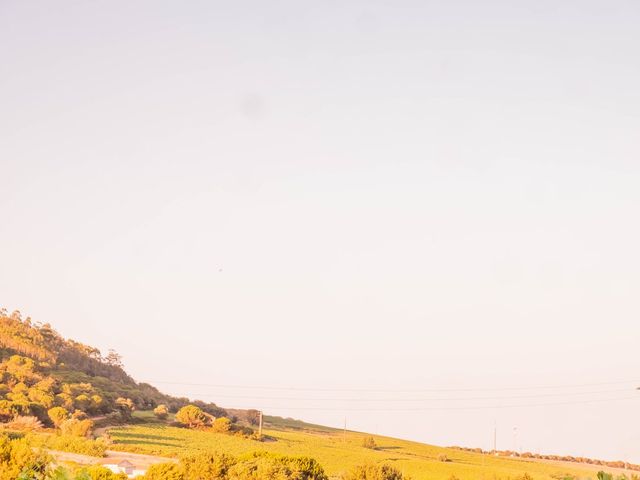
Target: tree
161, 412
125, 407
58, 415
191, 416
82, 402
113, 358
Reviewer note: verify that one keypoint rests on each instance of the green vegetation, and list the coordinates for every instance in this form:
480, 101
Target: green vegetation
161, 412
338, 454
21, 460
369, 442
192, 416
256, 466
371, 471
45, 376
68, 443
53, 391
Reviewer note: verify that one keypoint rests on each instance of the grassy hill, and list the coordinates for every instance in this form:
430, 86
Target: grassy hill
338, 452
41, 371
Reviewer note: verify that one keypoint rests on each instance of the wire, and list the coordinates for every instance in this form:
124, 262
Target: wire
388, 399
371, 390
452, 408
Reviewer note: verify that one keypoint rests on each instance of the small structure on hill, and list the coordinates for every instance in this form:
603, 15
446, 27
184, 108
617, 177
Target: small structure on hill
124, 466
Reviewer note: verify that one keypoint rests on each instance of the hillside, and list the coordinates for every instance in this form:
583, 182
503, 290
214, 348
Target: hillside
39, 370
338, 452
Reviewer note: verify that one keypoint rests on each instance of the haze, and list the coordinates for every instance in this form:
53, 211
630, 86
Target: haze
338, 196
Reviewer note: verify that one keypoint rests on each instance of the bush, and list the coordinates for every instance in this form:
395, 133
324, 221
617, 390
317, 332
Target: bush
98, 472
206, 465
25, 424
58, 415
265, 466
256, 466
161, 412
125, 407
164, 471
369, 442
221, 425
76, 428
20, 460
67, 443
79, 415
191, 416
373, 472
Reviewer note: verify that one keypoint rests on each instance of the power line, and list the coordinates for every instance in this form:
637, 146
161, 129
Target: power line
396, 399
371, 390
483, 407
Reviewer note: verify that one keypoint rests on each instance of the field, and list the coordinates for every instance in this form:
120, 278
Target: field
338, 452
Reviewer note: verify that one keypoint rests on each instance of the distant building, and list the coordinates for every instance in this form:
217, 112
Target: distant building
124, 466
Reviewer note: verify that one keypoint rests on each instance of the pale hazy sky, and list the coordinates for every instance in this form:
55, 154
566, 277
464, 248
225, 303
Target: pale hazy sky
338, 196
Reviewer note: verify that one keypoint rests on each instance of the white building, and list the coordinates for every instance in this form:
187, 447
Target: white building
126, 467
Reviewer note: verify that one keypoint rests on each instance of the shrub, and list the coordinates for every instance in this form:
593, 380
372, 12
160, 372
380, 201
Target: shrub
206, 465
245, 432
373, 472
76, 428
191, 416
79, 415
125, 407
58, 415
20, 460
369, 442
164, 471
67, 443
25, 424
98, 472
221, 425
161, 412
265, 466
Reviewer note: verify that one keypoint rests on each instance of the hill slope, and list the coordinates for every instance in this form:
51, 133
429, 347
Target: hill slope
338, 452
39, 369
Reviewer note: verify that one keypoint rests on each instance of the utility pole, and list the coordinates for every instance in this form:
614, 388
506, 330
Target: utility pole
260, 427
495, 438
345, 430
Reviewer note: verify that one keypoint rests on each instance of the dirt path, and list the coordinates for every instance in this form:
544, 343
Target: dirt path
137, 459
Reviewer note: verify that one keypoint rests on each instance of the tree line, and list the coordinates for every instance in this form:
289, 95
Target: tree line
41, 370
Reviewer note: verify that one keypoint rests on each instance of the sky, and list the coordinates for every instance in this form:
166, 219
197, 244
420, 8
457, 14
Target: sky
420, 217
